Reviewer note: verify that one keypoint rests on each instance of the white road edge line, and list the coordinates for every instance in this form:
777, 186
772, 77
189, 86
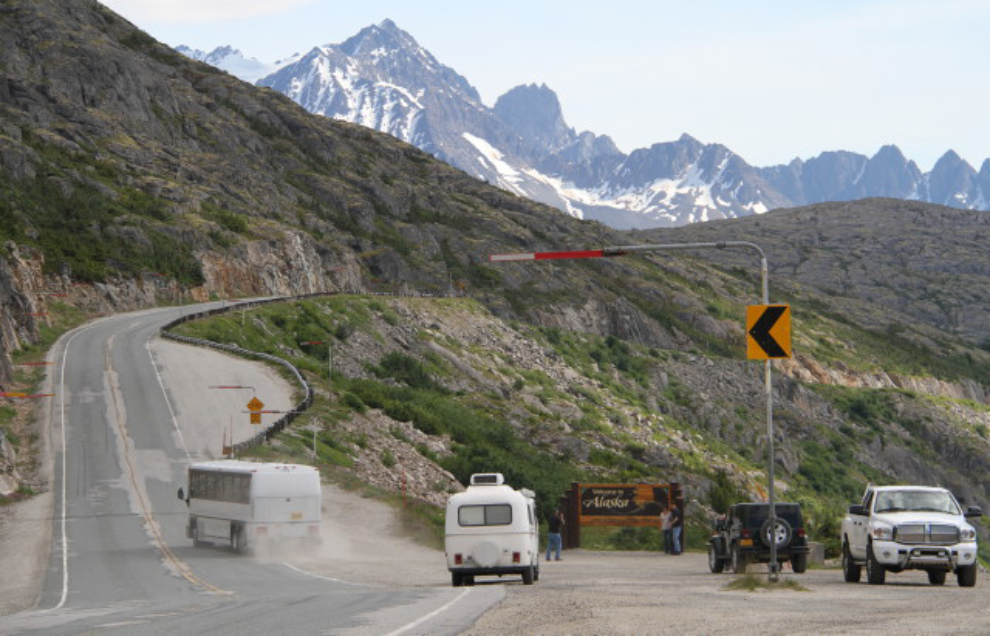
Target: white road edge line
63, 514
423, 619
319, 576
171, 412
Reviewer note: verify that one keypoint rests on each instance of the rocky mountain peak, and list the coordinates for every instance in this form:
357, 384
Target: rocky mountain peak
375, 39
534, 112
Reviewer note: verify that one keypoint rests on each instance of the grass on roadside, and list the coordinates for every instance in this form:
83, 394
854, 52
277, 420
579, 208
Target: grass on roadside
754, 582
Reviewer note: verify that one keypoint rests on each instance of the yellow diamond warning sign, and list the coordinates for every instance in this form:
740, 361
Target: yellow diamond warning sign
255, 405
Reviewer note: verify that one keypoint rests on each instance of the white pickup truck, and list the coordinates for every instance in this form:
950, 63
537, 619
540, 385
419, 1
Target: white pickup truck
899, 528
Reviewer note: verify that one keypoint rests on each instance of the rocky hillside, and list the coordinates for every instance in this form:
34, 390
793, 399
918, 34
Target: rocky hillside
898, 266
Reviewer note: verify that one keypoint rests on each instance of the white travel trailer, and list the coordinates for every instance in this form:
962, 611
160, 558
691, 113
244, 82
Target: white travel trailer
245, 503
491, 529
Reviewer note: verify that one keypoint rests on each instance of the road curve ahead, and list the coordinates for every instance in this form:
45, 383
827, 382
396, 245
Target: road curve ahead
119, 555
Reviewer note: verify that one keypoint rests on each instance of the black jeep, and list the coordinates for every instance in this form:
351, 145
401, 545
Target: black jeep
745, 536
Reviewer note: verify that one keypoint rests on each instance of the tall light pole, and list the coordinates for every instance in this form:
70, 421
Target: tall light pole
765, 296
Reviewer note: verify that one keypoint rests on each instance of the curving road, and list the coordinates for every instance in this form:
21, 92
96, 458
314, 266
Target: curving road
122, 434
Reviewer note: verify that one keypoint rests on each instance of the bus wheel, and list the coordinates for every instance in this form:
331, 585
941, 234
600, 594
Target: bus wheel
239, 540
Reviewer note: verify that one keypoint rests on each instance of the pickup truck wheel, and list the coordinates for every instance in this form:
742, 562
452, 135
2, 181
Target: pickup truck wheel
738, 561
936, 577
799, 563
715, 563
966, 576
875, 574
528, 576
850, 570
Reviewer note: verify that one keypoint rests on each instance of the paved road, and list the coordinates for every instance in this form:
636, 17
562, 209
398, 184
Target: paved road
119, 556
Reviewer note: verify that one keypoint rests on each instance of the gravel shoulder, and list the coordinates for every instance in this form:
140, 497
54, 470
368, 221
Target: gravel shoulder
650, 593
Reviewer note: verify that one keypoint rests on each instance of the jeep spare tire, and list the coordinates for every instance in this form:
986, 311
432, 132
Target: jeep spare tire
781, 533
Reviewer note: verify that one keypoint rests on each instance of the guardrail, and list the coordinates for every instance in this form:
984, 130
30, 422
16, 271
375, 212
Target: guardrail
299, 408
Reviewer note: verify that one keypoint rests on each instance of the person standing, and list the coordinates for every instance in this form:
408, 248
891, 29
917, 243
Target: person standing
554, 528
665, 530
676, 528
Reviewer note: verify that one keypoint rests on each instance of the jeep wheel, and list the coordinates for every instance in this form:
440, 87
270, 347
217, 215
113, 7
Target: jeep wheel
715, 563
937, 577
780, 534
875, 574
738, 561
799, 563
966, 576
850, 569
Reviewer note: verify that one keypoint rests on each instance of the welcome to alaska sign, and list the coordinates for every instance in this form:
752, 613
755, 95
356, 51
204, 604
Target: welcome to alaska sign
623, 504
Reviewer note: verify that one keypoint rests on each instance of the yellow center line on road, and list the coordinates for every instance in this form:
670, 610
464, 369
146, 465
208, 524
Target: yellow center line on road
152, 524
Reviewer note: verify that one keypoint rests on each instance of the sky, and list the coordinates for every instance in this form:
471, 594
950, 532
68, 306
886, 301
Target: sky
771, 80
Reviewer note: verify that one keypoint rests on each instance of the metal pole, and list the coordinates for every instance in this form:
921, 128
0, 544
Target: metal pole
768, 381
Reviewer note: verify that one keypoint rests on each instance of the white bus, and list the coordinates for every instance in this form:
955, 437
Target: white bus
492, 529
244, 503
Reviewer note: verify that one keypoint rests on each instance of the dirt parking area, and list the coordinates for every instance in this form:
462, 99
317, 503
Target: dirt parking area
649, 593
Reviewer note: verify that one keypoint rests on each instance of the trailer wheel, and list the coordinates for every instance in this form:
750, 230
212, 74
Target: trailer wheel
528, 576
456, 579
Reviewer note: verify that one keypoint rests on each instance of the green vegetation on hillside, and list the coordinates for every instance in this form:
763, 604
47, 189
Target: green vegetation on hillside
80, 228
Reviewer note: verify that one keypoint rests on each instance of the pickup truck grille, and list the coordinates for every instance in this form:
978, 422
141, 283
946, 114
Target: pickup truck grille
936, 534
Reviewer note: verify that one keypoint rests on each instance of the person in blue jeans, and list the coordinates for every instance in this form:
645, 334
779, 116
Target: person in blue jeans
676, 525
554, 541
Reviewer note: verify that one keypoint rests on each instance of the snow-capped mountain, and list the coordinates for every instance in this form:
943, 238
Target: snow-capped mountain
383, 79
229, 59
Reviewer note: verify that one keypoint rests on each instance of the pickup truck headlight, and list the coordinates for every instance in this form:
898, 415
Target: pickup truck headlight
883, 533
967, 533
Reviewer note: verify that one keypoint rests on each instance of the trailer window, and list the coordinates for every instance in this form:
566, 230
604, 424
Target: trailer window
489, 515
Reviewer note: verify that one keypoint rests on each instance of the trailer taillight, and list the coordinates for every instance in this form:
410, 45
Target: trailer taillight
458, 559
515, 557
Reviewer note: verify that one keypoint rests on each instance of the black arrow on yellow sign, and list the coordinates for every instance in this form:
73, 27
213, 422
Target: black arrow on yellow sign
768, 328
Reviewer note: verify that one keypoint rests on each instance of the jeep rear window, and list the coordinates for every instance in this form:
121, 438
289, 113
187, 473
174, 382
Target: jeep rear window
487, 515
